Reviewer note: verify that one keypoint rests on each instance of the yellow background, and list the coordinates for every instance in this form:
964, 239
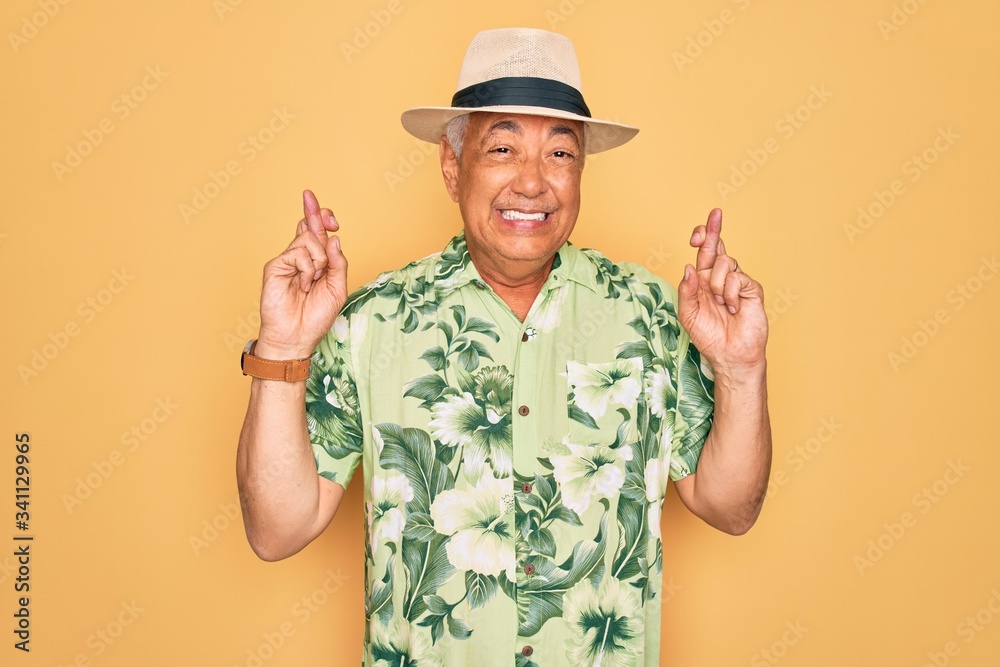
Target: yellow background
858, 434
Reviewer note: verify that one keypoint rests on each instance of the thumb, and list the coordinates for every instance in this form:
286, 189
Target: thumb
336, 273
687, 294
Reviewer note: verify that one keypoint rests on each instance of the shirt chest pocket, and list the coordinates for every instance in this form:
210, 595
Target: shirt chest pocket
603, 401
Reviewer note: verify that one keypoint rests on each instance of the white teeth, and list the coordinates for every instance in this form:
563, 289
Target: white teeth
509, 214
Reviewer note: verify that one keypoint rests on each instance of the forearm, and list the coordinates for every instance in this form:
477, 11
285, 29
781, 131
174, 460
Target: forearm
284, 506
731, 480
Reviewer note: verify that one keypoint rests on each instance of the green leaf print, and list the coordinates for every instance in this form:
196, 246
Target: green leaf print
428, 388
578, 415
458, 628
419, 527
633, 528
427, 568
480, 587
636, 349
539, 596
435, 356
411, 452
380, 602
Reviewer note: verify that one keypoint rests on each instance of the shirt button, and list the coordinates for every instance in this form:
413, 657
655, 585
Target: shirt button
529, 569
526, 487
480, 284
527, 651
523, 411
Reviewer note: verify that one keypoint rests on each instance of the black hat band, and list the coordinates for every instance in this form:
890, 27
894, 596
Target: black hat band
522, 91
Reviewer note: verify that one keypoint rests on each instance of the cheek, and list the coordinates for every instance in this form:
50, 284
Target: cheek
568, 191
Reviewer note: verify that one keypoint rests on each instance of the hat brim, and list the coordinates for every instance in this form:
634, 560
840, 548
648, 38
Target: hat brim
428, 123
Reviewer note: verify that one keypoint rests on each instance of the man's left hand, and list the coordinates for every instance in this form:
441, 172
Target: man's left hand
720, 306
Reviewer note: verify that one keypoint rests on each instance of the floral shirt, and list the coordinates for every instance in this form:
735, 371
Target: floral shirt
514, 471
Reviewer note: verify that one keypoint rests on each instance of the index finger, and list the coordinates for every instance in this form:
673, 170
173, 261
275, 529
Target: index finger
711, 246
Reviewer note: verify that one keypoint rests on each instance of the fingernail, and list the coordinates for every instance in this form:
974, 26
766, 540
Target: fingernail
687, 272
719, 299
732, 309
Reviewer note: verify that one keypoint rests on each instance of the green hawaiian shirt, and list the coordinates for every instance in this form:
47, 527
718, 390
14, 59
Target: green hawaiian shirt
514, 471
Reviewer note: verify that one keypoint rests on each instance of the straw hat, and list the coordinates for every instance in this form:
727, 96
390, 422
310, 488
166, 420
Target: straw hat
519, 70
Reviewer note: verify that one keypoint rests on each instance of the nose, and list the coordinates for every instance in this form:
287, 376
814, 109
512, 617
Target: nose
529, 181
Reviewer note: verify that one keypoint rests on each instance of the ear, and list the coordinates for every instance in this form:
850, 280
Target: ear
449, 168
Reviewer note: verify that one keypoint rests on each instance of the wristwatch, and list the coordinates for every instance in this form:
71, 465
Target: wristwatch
292, 370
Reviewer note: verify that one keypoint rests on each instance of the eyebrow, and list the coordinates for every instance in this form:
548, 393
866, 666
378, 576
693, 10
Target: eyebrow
515, 128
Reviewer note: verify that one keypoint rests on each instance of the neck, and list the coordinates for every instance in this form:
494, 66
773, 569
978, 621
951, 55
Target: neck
518, 288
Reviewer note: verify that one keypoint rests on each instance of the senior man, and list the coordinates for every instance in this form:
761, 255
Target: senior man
517, 404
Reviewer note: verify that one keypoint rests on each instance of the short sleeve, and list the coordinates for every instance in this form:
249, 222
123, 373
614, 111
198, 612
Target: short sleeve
333, 415
694, 410
682, 386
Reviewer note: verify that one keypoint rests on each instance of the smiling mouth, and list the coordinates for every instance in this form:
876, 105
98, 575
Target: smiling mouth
511, 214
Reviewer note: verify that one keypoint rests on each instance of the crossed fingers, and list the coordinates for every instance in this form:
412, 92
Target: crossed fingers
725, 279
307, 251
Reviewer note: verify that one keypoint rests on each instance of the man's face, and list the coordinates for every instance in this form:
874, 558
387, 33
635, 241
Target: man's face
518, 188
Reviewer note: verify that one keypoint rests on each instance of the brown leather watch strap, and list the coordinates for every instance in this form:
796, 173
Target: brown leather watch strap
293, 370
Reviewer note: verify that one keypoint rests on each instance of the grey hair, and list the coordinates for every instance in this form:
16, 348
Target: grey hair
455, 131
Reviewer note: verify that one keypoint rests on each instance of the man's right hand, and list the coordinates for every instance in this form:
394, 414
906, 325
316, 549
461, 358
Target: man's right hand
304, 288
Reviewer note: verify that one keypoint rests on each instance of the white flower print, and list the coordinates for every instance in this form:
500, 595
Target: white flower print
605, 624
590, 470
595, 386
475, 519
386, 515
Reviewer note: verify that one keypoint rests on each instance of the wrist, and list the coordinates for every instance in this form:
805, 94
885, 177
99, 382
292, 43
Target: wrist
295, 369
740, 373
273, 351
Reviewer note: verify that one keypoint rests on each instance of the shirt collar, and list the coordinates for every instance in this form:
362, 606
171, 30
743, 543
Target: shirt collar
455, 268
